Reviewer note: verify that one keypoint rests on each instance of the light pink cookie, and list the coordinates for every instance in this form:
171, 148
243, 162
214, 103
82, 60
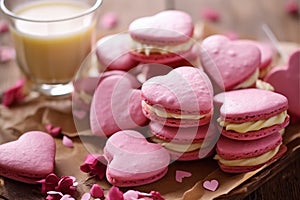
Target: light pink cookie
113, 52
162, 38
116, 105
133, 161
232, 64
182, 98
286, 80
28, 159
249, 114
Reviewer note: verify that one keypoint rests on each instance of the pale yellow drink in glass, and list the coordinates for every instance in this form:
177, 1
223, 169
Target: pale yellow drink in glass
52, 38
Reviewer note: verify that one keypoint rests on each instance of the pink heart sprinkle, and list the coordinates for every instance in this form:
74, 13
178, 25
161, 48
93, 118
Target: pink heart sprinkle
109, 20
67, 142
86, 196
182, 174
7, 53
211, 185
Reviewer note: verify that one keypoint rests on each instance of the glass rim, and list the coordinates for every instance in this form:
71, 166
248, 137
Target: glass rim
10, 13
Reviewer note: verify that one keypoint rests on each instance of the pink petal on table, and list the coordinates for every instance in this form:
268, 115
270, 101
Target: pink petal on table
109, 20
211, 185
96, 191
67, 142
182, 174
53, 130
14, 94
86, 196
3, 26
291, 7
7, 53
67, 197
210, 14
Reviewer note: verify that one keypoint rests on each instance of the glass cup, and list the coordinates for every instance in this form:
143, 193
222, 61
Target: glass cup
52, 38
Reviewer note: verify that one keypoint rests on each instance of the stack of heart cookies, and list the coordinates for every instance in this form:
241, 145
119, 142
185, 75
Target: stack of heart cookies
180, 107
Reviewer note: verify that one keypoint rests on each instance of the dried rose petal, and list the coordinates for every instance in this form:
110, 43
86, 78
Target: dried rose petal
291, 7
67, 142
3, 26
109, 20
7, 54
114, 194
14, 94
94, 164
210, 14
96, 191
53, 130
49, 183
66, 185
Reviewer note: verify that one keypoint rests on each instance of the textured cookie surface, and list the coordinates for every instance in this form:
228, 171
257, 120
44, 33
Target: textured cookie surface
229, 63
133, 161
28, 159
250, 104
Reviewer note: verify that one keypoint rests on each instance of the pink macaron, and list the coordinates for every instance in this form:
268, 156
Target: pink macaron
243, 156
190, 143
286, 81
113, 52
28, 159
165, 37
249, 114
116, 105
181, 98
231, 64
133, 161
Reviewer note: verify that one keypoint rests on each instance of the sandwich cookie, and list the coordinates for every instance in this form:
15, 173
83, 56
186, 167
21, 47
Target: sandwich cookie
28, 159
182, 98
133, 161
162, 38
190, 143
250, 114
235, 156
231, 64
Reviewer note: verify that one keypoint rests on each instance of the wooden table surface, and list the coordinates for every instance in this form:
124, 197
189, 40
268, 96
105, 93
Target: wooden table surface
242, 16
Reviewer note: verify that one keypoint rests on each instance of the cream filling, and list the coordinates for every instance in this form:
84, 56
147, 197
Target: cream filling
148, 48
254, 125
264, 85
249, 161
178, 147
164, 114
250, 81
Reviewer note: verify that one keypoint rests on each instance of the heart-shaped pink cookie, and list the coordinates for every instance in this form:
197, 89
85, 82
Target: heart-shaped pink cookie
133, 161
286, 80
28, 159
116, 105
230, 63
170, 26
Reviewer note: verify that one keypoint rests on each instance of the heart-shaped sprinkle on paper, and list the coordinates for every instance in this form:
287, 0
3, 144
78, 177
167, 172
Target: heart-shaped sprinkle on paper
211, 185
79, 114
182, 174
67, 142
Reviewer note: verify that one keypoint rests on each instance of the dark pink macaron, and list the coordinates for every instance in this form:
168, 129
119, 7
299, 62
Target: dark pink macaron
242, 156
190, 143
182, 98
249, 114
